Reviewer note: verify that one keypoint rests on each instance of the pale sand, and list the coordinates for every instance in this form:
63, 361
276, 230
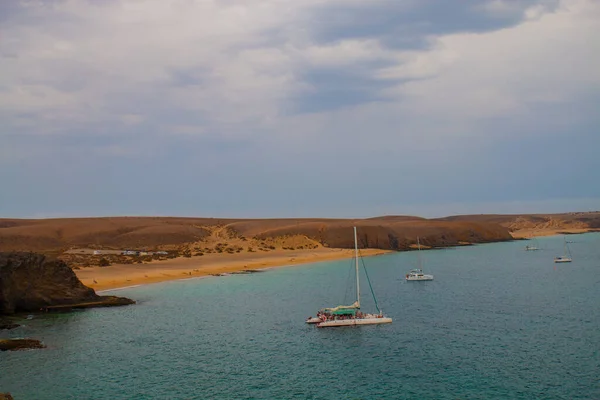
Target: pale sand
528, 233
124, 275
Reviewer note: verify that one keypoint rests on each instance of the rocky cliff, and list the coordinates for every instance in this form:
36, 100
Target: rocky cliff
401, 234
34, 282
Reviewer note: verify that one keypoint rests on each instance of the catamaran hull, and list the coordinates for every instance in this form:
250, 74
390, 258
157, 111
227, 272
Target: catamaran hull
563, 260
420, 278
313, 320
354, 322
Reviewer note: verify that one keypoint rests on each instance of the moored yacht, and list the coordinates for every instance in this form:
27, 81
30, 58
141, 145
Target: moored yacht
418, 275
564, 258
349, 315
532, 247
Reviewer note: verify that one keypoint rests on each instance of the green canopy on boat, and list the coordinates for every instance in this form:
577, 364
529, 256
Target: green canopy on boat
343, 310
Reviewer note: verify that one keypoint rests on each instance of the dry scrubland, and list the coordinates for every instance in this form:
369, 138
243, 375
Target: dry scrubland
201, 236
201, 246
206, 235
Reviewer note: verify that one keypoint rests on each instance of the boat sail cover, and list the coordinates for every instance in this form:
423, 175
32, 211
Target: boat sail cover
343, 310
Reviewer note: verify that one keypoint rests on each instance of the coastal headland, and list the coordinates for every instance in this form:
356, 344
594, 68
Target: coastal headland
113, 252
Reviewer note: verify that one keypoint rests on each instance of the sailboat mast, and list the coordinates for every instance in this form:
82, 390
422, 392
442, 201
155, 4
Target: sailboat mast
419, 253
356, 259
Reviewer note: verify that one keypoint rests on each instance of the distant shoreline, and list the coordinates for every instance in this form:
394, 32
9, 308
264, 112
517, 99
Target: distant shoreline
531, 233
119, 276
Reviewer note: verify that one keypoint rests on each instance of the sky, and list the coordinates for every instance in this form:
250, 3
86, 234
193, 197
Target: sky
298, 108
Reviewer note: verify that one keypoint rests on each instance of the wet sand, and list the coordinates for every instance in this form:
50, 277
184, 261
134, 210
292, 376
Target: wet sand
124, 275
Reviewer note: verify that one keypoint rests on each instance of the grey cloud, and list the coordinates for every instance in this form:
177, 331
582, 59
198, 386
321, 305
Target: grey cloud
334, 88
406, 24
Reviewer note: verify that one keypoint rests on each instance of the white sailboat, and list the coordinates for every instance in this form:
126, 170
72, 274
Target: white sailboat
349, 315
566, 251
417, 273
532, 247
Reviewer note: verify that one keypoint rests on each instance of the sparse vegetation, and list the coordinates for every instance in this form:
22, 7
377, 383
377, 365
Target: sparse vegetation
184, 237
103, 262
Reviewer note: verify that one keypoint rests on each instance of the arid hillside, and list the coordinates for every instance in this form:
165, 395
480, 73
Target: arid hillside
536, 224
198, 235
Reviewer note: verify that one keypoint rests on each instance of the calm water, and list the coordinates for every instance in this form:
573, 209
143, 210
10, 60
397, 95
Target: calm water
498, 322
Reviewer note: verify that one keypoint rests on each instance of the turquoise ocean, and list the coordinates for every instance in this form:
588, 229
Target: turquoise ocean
497, 322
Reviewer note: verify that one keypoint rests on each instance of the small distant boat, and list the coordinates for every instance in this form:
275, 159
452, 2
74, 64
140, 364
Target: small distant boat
532, 247
349, 315
566, 257
417, 273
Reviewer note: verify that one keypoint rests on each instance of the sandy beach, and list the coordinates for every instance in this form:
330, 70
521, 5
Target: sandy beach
529, 233
123, 275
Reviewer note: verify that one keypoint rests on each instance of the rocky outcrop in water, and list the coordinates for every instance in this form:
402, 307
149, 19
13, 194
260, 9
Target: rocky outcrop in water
6, 396
20, 344
34, 282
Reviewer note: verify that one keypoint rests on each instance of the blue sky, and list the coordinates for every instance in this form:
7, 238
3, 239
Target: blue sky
275, 108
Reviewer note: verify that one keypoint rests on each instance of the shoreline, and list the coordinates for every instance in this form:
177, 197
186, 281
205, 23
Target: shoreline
122, 276
531, 233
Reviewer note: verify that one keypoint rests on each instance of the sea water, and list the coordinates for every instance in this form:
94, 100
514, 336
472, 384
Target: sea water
497, 322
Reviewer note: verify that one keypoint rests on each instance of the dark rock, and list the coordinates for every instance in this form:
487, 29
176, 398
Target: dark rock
104, 301
34, 282
246, 272
20, 344
8, 325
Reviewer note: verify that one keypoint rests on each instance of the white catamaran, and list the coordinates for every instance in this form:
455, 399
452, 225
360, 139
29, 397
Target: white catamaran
566, 251
417, 273
532, 247
349, 315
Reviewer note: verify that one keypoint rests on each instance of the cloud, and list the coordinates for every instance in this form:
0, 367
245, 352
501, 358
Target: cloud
278, 92
508, 71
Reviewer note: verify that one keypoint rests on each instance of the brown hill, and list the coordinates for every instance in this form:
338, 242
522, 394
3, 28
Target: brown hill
121, 232
538, 223
209, 234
